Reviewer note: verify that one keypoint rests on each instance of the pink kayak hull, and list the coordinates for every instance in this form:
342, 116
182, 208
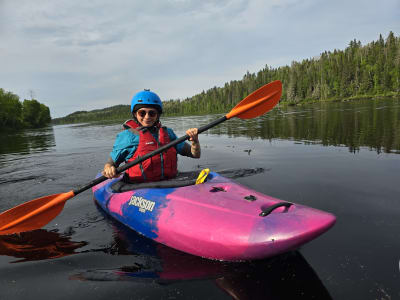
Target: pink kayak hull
219, 219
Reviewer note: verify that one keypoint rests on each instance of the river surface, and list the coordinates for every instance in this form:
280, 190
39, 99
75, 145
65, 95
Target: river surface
341, 157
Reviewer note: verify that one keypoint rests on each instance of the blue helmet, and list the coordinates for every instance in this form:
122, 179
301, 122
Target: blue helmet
146, 98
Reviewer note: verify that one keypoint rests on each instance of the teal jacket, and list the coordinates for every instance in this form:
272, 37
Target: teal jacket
127, 142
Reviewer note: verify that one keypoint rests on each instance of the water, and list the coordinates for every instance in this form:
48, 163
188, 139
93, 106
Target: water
339, 157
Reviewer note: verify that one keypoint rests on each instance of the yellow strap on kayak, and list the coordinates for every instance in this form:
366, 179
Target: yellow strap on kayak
202, 176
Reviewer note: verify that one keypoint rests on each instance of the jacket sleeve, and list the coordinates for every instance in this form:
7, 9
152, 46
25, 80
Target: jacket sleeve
124, 147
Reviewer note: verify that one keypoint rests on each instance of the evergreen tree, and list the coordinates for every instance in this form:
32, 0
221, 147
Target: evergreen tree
357, 71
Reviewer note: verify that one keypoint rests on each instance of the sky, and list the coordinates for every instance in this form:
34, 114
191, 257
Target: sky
81, 55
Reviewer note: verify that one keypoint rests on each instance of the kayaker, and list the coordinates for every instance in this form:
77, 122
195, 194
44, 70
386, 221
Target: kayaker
144, 134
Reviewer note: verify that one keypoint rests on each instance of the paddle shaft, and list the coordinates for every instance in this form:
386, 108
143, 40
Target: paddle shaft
38, 212
148, 155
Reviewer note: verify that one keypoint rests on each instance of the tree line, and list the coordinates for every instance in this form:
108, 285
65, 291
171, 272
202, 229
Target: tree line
117, 112
27, 114
356, 72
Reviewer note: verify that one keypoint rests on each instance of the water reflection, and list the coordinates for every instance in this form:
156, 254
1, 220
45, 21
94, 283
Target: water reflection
27, 141
286, 276
38, 245
366, 123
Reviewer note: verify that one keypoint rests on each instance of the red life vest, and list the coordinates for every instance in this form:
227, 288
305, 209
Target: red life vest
158, 167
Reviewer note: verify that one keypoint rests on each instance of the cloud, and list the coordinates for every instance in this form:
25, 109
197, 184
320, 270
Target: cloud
84, 55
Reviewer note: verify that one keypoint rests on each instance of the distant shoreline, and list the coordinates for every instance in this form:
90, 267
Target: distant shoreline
80, 117
371, 71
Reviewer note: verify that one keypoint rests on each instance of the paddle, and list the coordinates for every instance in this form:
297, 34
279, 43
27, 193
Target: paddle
38, 212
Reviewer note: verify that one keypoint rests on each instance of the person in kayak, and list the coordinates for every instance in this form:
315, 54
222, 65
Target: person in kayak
144, 134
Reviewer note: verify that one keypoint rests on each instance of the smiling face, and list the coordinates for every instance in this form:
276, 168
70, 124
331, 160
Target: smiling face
146, 116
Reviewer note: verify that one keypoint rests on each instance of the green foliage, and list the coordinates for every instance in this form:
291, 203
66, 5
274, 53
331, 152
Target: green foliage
117, 112
356, 72
10, 110
14, 114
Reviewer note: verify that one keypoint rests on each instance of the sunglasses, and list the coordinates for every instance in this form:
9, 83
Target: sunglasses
143, 113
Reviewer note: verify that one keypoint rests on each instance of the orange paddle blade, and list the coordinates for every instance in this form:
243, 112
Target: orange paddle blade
33, 214
259, 102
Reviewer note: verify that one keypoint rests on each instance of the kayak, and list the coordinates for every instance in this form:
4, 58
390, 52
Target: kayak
217, 219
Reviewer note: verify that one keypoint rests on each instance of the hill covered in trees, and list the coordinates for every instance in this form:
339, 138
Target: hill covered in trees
117, 112
358, 71
28, 114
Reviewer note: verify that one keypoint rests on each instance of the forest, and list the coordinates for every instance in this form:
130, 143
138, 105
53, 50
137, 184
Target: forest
359, 71
17, 115
356, 72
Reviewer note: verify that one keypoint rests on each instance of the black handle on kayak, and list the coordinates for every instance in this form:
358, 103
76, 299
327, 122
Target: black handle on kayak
148, 155
266, 212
